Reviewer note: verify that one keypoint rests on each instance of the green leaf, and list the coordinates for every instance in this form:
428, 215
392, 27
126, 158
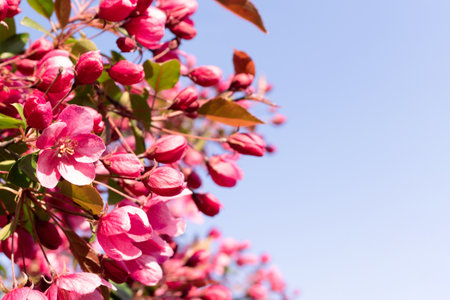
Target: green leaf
7, 122
23, 172
228, 112
43, 7
6, 165
246, 10
14, 44
114, 198
82, 46
9, 201
19, 109
6, 32
138, 136
141, 110
2, 271
33, 24
62, 11
6, 232
162, 76
85, 196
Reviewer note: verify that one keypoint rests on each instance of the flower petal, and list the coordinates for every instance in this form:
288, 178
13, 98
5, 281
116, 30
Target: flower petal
51, 134
80, 283
76, 172
145, 269
118, 247
90, 148
46, 170
78, 119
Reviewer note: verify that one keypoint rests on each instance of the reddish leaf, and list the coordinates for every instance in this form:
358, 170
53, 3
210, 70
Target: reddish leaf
243, 63
62, 10
246, 10
229, 113
86, 256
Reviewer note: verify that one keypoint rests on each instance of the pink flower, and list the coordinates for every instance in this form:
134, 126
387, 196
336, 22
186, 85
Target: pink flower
241, 81
38, 112
177, 10
69, 149
163, 221
77, 286
122, 233
25, 293
145, 269
207, 204
3, 9
115, 10
126, 44
186, 100
13, 8
206, 75
55, 71
247, 143
148, 28
217, 292
168, 149
127, 73
40, 47
224, 172
126, 164
166, 181
185, 29
258, 291
89, 67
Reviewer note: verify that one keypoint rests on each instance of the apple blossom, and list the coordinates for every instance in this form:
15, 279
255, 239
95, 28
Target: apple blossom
89, 67
127, 73
148, 29
168, 149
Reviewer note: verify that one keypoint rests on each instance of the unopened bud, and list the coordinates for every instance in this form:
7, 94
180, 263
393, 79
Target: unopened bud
199, 257
206, 75
224, 173
192, 178
184, 29
247, 143
3, 9
241, 81
48, 234
126, 44
38, 112
149, 28
26, 66
89, 67
125, 164
186, 100
166, 181
207, 204
217, 292
115, 10
39, 48
168, 149
13, 8
127, 73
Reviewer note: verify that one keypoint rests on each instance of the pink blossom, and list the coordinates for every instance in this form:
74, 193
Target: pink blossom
184, 29
168, 149
126, 44
241, 81
224, 172
115, 10
247, 143
258, 291
207, 204
145, 269
3, 9
127, 73
177, 10
89, 67
125, 164
55, 71
69, 149
25, 293
162, 219
217, 292
13, 8
166, 181
39, 48
148, 29
38, 112
206, 75
186, 100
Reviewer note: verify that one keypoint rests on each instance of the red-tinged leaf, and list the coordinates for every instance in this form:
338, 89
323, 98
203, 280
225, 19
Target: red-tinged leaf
62, 10
229, 113
246, 10
243, 63
85, 196
261, 99
86, 256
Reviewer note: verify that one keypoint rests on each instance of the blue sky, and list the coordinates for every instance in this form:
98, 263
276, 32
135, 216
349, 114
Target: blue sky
356, 203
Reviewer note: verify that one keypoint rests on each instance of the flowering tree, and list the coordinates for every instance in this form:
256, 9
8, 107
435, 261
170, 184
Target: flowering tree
101, 155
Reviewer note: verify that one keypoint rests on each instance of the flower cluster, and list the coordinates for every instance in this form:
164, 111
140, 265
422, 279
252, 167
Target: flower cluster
103, 158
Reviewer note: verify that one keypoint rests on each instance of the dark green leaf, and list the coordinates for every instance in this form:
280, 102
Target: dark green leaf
6, 32
62, 11
33, 24
138, 136
14, 44
23, 172
229, 113
141, 110
43, 7
82, 46
6, 232
85, 196
9, 201
162, 76
114, 198
246, 10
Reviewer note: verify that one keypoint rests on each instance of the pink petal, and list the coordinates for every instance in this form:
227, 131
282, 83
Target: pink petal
163, 221
78, 119
115, 222
156, 247
46, 170
51, 134
24, 293
145, 269
76, 172
80, 283
118, 247
90, 148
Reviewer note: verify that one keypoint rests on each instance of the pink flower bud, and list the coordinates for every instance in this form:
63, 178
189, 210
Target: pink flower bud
247, 143
206, 75
271, 148
38, 112
192, 178
258, 291
265, 258
278, 119
23, 245
224, 173
241, 81
142, 6
193, 157
39, 48
177, 10
13, 8
166, 181
148, 29
126, 44
99, 125
89, 67
48, 234
184, 29
186, 100
125, 164
55, 71
3, 9
214, 233
115, 10
26, 66
217, 292
199, 257
207, 204
127, 73
168, 149
114, 270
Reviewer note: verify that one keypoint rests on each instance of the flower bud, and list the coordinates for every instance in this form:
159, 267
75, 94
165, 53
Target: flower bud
241, 81
142, 6
206, 75
207, 204
199, 257
192, 178
168, 149
48, 234
89, 67
258, 292
186, 100
184, 29
39, 48
99, 125
114, 270
193, 157
26, 66
224, 173
278, 119
217, 292
125, 164
247, 143
148, 29
3, 9
23, 245
127, 73
166, 181
13, 8
55, 71
177, 10
115, 10
38, 112
126, 44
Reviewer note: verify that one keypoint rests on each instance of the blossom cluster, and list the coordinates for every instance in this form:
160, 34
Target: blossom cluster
103, 157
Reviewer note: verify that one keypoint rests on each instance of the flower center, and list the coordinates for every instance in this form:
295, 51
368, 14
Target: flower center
66, 147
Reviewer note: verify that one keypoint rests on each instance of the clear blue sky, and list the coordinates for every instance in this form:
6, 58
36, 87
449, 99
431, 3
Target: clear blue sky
356, 204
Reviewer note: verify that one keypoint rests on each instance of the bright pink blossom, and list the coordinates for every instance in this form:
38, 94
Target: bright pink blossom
3, 9
55, 71
168, 149
125, 164
206, 75
207, 204
39, 48
116, 10
25, 293
89, 67
247, 143
38, 112
126, 44
217, 292
258, 291
177, 10
69, 149
13, 8
224, 172
184, 29
127, 73
148, 29
186, 100
166, 181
